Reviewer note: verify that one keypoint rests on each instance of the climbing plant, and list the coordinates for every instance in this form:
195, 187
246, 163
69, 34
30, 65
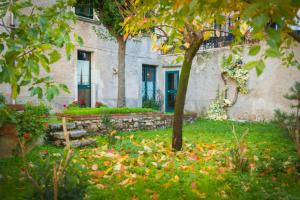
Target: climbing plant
216, 110
231, 69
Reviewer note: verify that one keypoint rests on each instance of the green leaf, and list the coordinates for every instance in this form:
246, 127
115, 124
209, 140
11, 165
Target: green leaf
78, 39
261, 20
260, 67
54, 56
69, 49
33, 66
272, 52
64, 88
179, 59
254, 50
250, 65
229, 59
51, 92
274, 35
37, 91
45, 62
1, 47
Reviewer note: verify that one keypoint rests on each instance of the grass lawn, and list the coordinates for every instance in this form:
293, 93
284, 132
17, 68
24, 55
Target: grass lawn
142, 165
105, 110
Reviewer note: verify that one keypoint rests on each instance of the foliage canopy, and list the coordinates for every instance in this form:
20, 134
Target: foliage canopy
30, 45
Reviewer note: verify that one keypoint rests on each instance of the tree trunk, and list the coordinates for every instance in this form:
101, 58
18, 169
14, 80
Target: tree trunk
182, 88
121, 102
13, 96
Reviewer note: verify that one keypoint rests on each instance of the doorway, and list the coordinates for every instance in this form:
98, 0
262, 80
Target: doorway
171, 85
149, 82
84, 78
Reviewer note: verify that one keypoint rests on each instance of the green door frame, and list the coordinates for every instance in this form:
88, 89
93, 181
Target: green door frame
167, 91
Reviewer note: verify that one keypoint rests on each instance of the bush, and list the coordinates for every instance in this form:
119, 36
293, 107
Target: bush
99, 104
6, 114
72, 180
151, 103
291, 121
216, 110
30, 124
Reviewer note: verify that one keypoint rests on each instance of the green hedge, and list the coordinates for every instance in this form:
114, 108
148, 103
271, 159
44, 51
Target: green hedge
105, 110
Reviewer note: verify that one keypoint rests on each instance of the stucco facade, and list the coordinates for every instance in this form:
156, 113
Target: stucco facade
265, 92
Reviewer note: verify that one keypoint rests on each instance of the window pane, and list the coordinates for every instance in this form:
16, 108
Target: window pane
84, 8
83, 72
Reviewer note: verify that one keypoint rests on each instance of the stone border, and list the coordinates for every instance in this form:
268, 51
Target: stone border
123, 122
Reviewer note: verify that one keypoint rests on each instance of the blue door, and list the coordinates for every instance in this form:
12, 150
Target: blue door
171, 85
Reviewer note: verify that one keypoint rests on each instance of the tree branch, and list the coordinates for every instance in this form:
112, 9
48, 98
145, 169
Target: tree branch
294, 35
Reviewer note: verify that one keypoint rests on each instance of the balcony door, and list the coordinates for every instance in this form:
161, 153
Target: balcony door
84, 77
149, 82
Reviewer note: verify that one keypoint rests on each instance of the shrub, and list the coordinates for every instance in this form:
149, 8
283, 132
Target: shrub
76, 104
238, 155
30, 124
216, 110
151, 103
99, 104
111, 129
71, 181
291, 121
6, 114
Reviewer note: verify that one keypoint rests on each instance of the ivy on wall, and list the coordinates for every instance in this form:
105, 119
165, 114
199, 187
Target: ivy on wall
216, 110
232, 69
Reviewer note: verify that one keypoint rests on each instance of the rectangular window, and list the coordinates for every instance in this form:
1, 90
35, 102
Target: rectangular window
85, 8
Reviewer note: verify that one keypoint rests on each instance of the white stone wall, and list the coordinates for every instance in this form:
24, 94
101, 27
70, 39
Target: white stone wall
265, 92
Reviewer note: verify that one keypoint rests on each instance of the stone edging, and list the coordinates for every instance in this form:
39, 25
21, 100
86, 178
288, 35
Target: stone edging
123, 122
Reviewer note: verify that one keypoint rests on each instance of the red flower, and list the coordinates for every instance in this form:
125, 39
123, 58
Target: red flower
26, 136
82, 102
65, 105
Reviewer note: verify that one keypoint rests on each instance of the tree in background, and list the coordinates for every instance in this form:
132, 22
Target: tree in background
111, 18
291, 121
29, 44
183, 25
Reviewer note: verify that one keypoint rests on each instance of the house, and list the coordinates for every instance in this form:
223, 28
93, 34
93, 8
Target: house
91, 75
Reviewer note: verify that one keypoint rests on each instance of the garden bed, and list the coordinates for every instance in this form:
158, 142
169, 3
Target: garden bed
124, 121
